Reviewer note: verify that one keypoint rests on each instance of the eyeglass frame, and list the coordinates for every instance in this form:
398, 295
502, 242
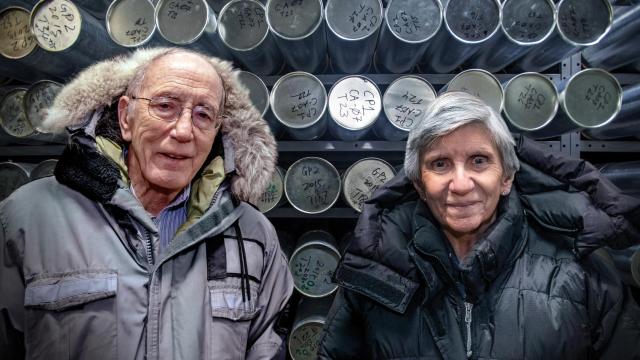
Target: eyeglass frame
217, 122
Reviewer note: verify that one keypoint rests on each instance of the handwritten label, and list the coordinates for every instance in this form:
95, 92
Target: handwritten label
366, 183
305, 341
311, 273
288, 8
138, 31
250, 17
404, 23
179, 8
14, 120
474, 26
314, 188
39, 99
354, 104
407, 112
304, 105
363, 19
529, 29
598, 97
575, 24
531, 99
16, 39
57, 25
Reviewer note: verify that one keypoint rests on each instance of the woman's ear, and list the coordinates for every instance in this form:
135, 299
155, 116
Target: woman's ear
419, 189
123, 118
505, 187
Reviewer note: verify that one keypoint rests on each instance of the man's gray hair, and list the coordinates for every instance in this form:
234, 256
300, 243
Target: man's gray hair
135, 85
449, 112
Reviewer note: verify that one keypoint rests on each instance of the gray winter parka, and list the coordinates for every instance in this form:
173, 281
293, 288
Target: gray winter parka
522, 293
79, 277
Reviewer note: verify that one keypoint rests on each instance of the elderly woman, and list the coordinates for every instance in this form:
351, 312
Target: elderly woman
477, 254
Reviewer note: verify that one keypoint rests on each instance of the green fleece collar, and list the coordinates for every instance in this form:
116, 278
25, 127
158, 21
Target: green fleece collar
203, 188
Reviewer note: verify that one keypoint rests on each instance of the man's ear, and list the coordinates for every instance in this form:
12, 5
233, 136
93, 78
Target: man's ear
123, 119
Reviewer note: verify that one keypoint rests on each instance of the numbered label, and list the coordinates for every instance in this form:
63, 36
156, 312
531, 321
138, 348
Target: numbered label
16, 39
57, 25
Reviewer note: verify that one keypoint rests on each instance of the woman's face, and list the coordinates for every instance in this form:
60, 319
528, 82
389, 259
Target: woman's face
462, 179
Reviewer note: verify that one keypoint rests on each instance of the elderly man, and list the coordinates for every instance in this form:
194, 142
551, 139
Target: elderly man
143, 245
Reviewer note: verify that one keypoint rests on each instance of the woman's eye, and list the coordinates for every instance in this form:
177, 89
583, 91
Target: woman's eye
480, 160
439, 164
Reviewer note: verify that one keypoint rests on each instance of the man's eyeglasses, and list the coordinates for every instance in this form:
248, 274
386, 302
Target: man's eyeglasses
170, 109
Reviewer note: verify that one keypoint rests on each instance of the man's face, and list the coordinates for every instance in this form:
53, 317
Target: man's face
166, 155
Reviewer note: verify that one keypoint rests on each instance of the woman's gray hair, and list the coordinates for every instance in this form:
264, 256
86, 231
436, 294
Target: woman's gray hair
449, 112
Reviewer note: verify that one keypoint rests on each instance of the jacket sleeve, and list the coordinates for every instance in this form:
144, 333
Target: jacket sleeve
343, 337
275, 289
12, 290
613, 218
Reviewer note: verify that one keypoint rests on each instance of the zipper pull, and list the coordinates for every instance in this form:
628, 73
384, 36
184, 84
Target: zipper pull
467, 320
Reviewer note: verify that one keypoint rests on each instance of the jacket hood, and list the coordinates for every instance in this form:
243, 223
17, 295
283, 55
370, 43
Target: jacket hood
243, 129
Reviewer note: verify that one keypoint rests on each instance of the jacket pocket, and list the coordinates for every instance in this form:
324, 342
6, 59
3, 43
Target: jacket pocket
231, 317
71, 315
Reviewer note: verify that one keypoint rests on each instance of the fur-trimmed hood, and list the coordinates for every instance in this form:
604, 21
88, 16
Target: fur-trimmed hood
255, 149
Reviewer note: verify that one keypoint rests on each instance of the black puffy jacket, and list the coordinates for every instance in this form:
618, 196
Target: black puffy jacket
529, 288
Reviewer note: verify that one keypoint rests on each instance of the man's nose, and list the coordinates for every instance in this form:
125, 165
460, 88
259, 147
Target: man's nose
184, 126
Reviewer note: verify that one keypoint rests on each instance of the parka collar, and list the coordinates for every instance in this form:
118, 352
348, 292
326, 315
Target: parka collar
498, 248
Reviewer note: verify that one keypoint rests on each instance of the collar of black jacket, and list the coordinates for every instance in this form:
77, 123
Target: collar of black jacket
493, 252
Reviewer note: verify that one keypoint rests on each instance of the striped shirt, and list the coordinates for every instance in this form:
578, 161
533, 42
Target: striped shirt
171, 217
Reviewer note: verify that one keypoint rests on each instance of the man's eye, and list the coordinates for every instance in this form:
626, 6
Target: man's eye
203, 114
165, 105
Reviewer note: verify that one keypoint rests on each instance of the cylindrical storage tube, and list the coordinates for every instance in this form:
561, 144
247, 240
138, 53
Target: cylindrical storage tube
530, 102
132, 23
524, 23
479, 83
625, 175
298, 27
72, 38
13, 117
191, 23
404, 102
306, 331
313, 263
468, 23
617, 49
38, 98
43, 169
408, 27
299, 101
363, 178
12, 176
354, 106
97, 8
258, 91
626, 123
591, 99
312, 185
244, 29
17, 43
580, 23
352, 33
273, 195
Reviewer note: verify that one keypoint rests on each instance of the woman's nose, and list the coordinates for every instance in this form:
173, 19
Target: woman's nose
461, 182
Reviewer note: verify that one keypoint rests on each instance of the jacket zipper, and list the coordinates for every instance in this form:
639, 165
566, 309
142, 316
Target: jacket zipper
467, 320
